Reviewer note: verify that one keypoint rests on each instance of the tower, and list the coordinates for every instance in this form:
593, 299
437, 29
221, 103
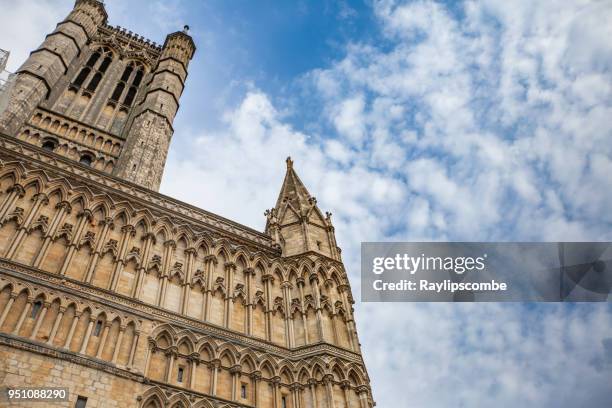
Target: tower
101, 95
129, 298
148, 136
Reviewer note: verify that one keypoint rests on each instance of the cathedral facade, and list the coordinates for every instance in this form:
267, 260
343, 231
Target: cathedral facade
130, 298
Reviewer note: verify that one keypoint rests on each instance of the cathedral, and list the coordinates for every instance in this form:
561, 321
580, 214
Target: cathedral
129, 298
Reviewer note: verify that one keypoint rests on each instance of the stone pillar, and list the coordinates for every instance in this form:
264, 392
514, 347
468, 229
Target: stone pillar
314, 278
118, 344
107, 224
195, 360
84, 217
107, 326
171, 356
209, 262
249, 272
235, 371
191, 254
268, 279
56, 323
363, 396
75, 320
295, 395
7, 308
230, 269
149, 240
24, 313
128, 232
215, 370
289, 329
39, 199
276, 392
346, 386
328, 379
39, 319
256, 376
87, 334
312, 383
63, 209
130, 363
15, 192
169, 245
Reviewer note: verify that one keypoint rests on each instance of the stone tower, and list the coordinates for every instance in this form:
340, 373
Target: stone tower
130, 298
101, 95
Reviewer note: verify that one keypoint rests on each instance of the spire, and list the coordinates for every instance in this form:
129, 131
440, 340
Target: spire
293, 191
296, 224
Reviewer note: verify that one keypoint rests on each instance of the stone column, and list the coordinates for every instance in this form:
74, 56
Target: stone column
256, 376
235, 372
195, 360
130, 363
16, 191
39, 319
56, 323
215, 370
118, 344
289, 329
230, 269
209, 262
295, 395
87, 334
363, 396
276, 392
107, 326
171, 354
128, 232
169, 245
300, 282
350, 322
64, 208
268, 279
84, 216
328, 381
346, 386
39, 199
75, 320
191, 253
107, 224
24, 313
312, 383
10, 302
149, 240
314, 278
150, 351
249, 272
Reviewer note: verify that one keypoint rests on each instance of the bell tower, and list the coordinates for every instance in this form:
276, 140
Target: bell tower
101, 95
148, 137
40, 73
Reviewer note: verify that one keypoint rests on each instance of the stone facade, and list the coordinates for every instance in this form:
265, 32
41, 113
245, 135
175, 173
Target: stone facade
131, 298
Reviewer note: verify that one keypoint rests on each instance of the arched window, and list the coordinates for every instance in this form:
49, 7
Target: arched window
129, 98
126, 73
95, 81
35, 309
105, 64
86, 159
118, 92
93, 59
94, 69
130, 80
81, 77
138, 77
49, 144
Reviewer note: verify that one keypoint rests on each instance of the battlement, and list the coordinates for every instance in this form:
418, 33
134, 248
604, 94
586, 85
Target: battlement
131, 37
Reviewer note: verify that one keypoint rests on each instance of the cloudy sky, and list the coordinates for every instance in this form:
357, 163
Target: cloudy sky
475, 120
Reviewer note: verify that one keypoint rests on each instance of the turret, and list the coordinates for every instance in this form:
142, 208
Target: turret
296, 224
148, 137
45, 65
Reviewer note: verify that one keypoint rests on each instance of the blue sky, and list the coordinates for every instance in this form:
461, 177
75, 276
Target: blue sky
422, 120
